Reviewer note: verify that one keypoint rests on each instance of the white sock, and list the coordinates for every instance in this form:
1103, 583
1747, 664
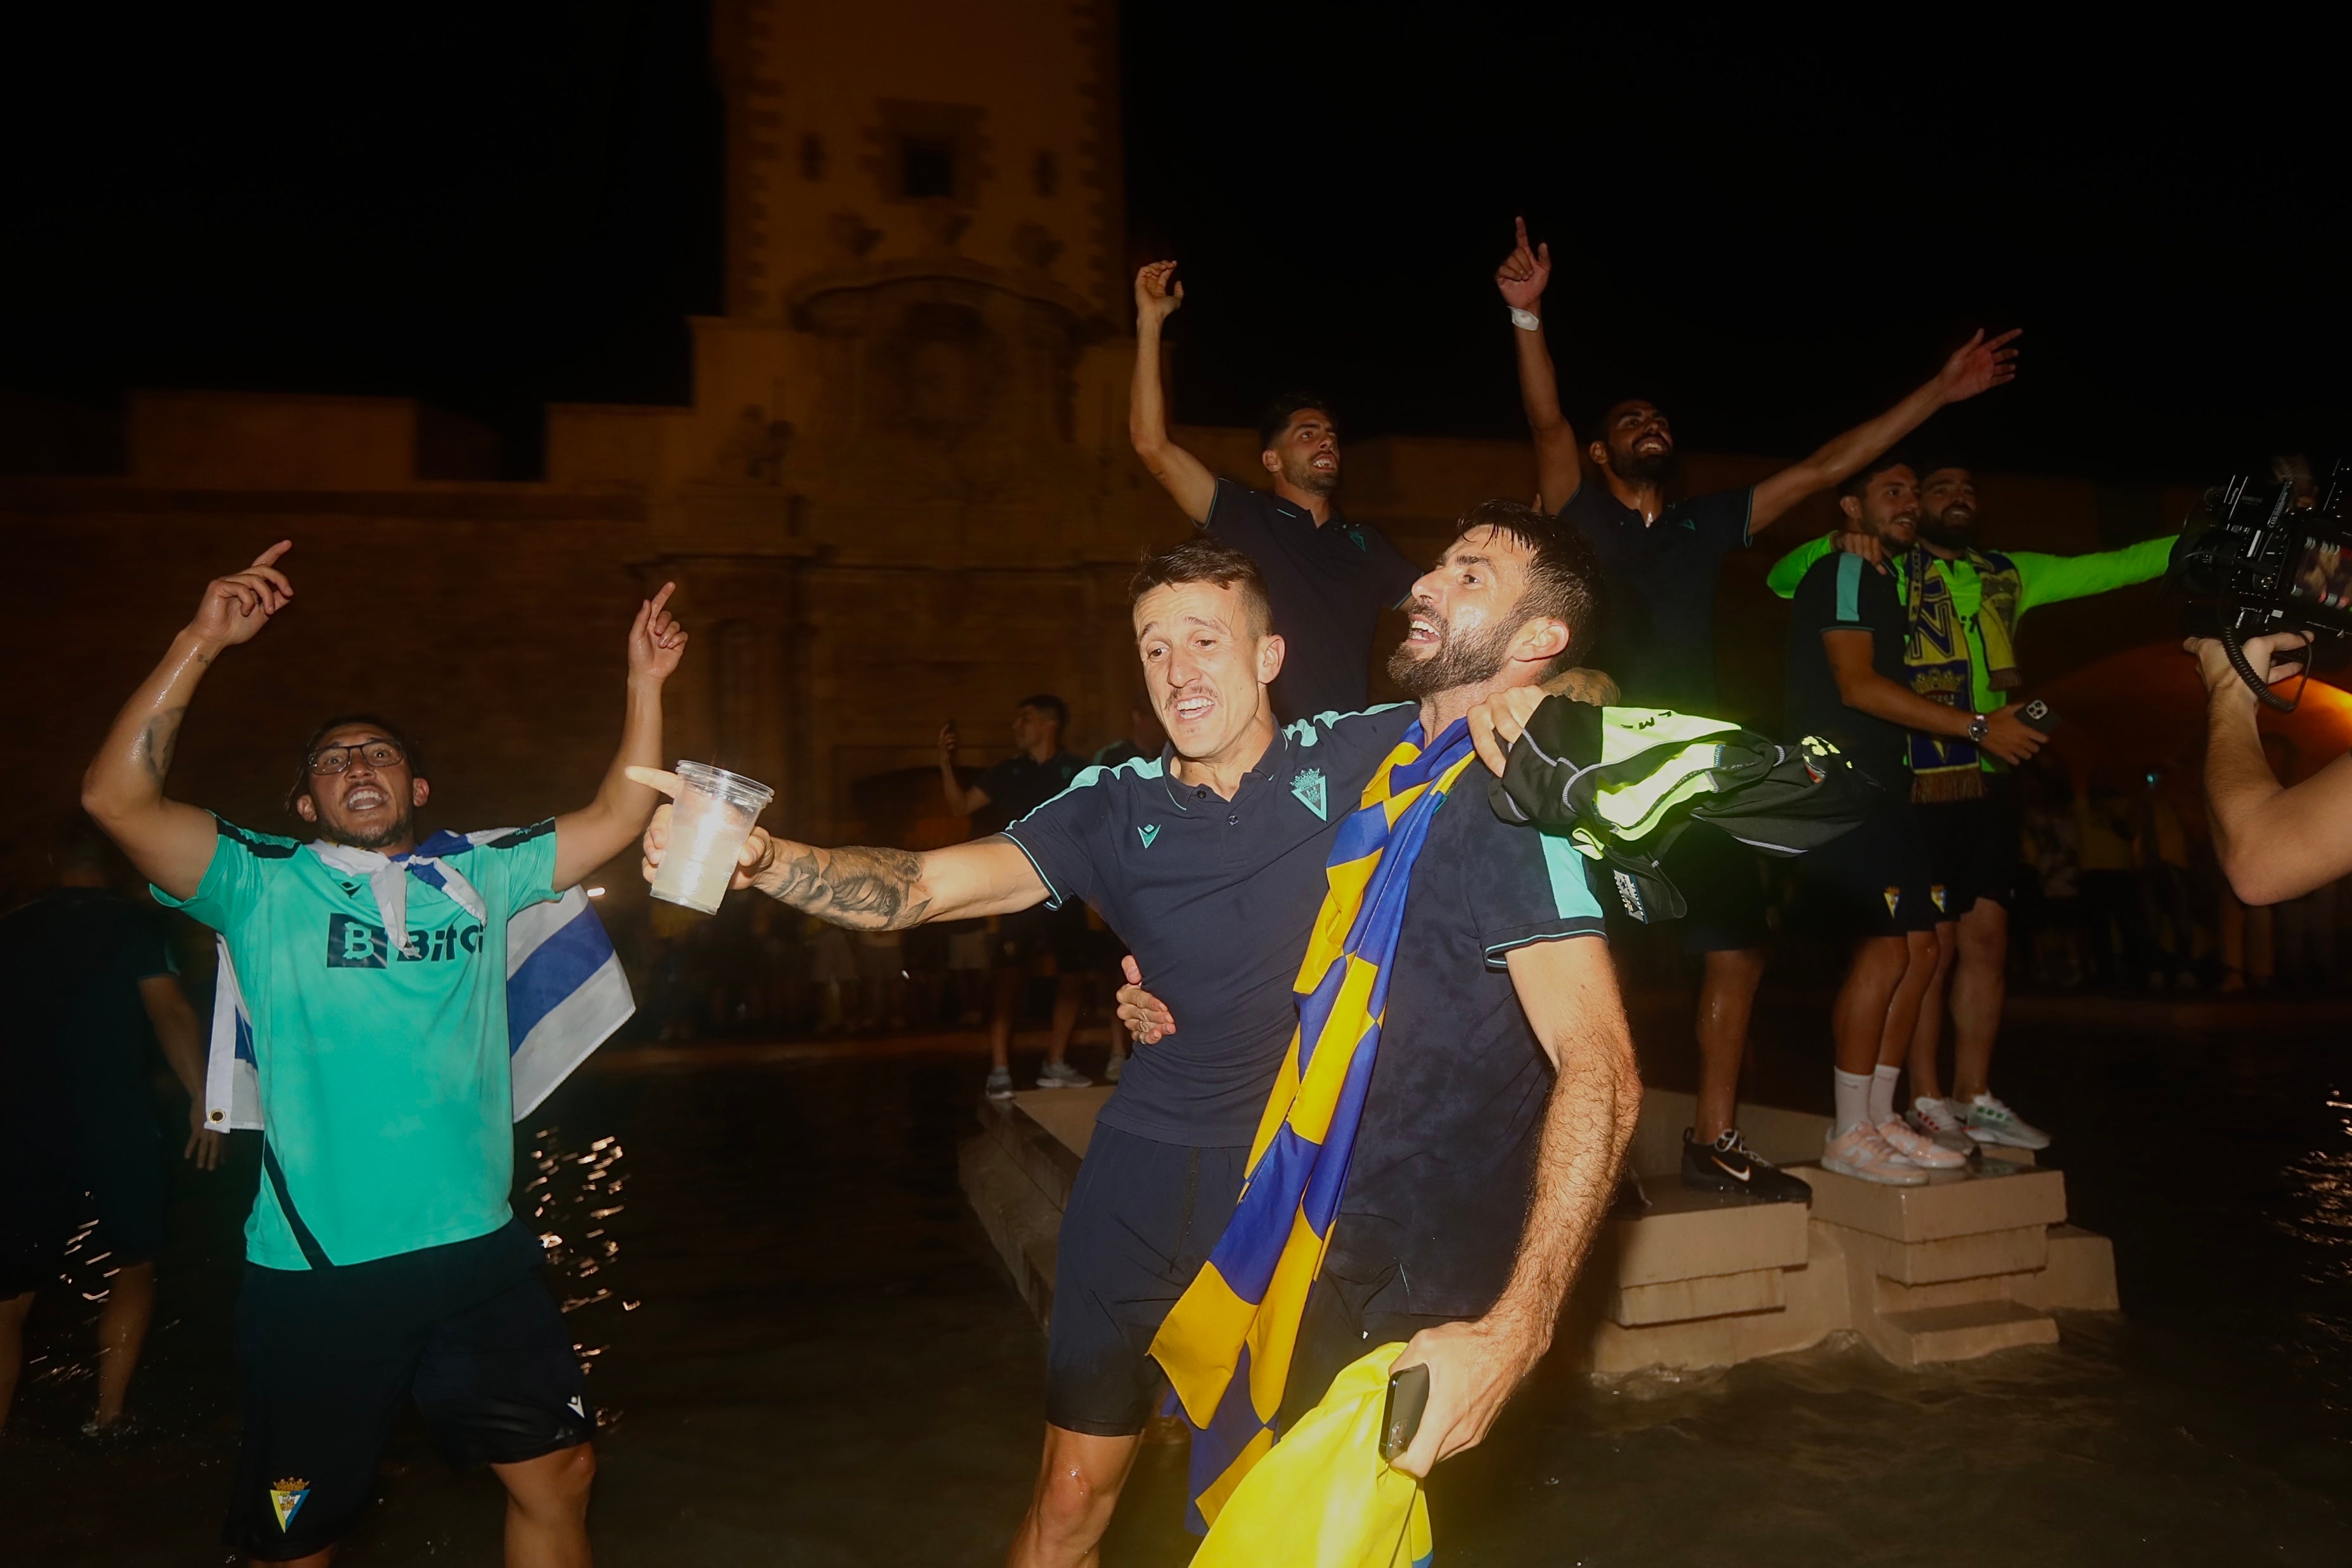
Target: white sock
1853, 1099
1882, 1094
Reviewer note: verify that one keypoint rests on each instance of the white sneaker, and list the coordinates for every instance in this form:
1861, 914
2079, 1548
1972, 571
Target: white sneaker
1062, 1075
1990, 1122
1941, 1120
1862, 1152
1918, 1148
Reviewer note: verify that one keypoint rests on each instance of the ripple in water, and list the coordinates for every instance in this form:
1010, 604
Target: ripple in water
570, 1201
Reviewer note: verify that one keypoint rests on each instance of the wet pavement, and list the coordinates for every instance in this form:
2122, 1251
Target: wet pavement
807, 1353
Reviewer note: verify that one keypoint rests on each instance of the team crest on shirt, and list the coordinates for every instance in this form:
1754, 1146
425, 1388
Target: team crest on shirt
1893, 897
1309, 789
1936, 894
1148, 832
286, 1499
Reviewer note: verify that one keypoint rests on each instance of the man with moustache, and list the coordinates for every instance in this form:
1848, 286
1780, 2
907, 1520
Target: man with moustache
1329, 579
1970, 604
1848, 682
1210, 860
1660, 562
383, 1261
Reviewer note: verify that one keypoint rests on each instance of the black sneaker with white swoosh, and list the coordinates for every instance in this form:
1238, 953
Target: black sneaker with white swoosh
1729, 1166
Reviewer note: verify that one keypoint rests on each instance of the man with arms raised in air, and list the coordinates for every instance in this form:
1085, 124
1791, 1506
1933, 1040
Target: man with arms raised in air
1968, 612
1209, 861
1848, 682
1660, 562
1329, 579
383, 1260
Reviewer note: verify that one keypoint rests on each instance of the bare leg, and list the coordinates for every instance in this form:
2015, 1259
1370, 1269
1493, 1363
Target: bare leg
1078, 1488
1726, 995
1069, 993
1979, 988
122, 1332
547, 1507
1859, 1018
1004, 1003
1928, 1038
1910, 990
12, 1349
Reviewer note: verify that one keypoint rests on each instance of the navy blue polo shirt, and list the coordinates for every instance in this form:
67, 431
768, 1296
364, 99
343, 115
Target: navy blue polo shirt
1658, 582
1327, 586
1216, 898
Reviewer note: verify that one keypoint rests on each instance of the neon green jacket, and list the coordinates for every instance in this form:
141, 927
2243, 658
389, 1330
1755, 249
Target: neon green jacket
2040, 580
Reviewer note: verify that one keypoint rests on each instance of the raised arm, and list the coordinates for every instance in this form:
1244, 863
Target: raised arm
2053, 579
586, 838
1521, 278
1570, 994
1863, 689
1180, 474
870, 889
962, 800
171, 844
1976, 366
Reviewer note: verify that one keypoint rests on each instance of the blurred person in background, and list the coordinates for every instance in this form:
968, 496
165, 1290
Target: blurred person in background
91, 989
2116, 951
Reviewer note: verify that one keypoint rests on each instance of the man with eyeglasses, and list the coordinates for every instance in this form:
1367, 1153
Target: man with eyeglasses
382, 1260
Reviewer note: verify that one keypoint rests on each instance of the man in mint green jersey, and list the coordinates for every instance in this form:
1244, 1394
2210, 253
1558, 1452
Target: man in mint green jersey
382, 1261
1964, 622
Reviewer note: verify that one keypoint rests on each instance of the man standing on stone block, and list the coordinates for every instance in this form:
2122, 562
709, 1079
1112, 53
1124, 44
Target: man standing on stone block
1969, 606
1329, 579
1210, 861
1661, 561
383, 1261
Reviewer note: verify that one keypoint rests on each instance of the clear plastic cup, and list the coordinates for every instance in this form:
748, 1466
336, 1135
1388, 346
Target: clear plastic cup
708, 824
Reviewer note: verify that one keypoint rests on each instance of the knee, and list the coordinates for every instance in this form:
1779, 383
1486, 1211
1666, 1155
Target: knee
556, 1484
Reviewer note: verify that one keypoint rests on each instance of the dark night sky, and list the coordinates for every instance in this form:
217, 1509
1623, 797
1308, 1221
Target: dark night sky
488, 206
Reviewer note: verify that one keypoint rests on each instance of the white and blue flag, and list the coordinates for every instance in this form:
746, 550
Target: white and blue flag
566, 992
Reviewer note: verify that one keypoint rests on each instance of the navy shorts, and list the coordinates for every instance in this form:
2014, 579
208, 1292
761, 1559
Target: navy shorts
328, 1358
1343, 1322
1972, 848
1141, 1219
1875, 881
1722, 883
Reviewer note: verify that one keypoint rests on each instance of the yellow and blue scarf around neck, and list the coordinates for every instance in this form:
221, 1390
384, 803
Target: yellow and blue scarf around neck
1226, 1345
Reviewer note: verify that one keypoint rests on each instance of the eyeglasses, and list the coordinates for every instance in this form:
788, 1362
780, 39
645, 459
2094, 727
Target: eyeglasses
377, 754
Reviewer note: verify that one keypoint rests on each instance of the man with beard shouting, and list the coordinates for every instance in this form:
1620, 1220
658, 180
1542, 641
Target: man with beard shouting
1329, 578
383, 1263
1969, 608
1660, 561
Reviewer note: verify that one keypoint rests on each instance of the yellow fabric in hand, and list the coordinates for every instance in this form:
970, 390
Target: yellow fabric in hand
1324, 1498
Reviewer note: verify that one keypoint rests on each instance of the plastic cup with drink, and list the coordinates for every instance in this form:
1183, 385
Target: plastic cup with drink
709, 819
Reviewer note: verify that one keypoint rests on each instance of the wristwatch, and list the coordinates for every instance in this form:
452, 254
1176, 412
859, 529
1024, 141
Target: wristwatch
1979, 728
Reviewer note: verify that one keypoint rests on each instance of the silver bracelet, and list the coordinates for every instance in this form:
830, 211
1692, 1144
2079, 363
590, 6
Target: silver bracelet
1525, 321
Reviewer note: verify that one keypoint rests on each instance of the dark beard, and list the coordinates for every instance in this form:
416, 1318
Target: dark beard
1456, 662
391, 832
1313, 484
1659, 471
1936, 531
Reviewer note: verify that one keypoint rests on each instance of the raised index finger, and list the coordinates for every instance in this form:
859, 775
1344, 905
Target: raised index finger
269, 557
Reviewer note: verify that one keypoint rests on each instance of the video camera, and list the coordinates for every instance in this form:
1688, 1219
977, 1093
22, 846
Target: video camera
2263, 563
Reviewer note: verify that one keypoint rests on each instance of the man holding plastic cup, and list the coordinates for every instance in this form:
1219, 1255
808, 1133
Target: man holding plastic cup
383, 1262
1211, 861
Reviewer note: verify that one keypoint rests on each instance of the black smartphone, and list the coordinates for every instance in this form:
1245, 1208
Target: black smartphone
1401, 1416
2039, 715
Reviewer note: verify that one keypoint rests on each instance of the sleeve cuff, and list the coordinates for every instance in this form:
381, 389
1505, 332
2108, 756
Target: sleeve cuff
1559, 930
1054, 895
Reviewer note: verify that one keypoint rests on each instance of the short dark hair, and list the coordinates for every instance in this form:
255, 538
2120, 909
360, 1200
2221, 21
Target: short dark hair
381, 725
1282, 410
1199, 560
1600, 415
1563, 574
1930, 461
81, 844
1053, 707
1855, 483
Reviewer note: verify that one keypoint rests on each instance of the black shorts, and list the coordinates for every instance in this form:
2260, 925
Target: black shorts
1875, 881
1721, 881
113, 1174
1141, 1220
1972, 848
1028, 939
37, 1205
328, 1357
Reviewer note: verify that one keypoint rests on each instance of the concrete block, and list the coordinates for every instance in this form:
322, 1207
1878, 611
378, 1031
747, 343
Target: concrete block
2081, 1274
2020, 1250
1066, 1115
1021, 1221
1955, 1202
1890, 1296
1782, 1137
1711, 1295
1815, 1304
1613, 1350
1687, 1234
1957, 1334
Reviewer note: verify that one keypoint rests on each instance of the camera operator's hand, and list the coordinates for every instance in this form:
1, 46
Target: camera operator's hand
2011, 738
2221, 680
1869, 546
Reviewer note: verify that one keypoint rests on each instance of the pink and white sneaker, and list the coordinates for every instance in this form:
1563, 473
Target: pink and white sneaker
1918, 1148
1863, 1153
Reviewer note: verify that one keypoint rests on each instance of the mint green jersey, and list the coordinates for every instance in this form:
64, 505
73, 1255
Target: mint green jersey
386, 1097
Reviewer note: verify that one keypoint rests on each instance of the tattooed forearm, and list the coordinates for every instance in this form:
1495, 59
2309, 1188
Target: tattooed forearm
158, 740
865, 890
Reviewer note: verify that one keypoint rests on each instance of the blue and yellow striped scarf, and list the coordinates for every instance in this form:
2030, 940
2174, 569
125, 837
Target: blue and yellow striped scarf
1226, 1345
